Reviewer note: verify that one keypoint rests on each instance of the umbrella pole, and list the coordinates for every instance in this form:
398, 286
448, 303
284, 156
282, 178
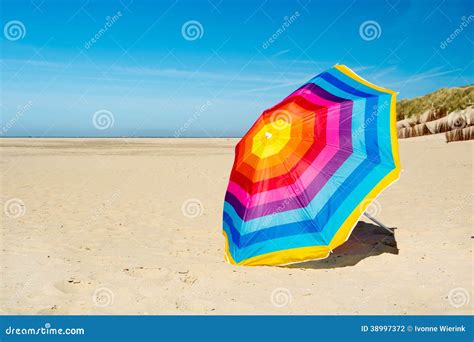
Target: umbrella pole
378, 223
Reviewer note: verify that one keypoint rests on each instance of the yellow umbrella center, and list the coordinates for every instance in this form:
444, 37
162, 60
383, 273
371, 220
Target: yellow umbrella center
271, 138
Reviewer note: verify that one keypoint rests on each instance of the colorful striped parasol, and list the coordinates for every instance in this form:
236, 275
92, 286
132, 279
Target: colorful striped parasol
308, 168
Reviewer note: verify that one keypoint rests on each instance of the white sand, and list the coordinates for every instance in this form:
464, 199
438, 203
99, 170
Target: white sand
105, 217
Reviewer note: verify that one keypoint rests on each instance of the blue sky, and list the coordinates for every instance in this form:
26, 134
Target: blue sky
147, 75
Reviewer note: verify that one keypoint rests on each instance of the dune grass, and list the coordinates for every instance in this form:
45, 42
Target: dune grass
446, 100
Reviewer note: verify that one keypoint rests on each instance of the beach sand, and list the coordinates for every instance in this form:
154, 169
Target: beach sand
133, 226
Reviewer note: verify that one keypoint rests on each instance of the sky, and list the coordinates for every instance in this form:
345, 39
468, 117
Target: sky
209, 68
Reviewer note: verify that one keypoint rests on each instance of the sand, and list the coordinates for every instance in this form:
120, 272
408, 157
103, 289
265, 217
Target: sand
98, 226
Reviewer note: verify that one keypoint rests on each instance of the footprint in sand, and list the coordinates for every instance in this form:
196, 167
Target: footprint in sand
70, 285
50, 311
187, 278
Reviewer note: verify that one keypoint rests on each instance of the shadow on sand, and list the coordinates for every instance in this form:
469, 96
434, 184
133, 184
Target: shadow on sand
365, 241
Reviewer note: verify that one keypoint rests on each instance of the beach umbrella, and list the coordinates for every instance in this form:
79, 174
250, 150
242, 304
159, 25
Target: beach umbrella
308, 168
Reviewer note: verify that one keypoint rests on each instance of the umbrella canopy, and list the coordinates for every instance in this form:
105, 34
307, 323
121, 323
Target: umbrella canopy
308, 168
